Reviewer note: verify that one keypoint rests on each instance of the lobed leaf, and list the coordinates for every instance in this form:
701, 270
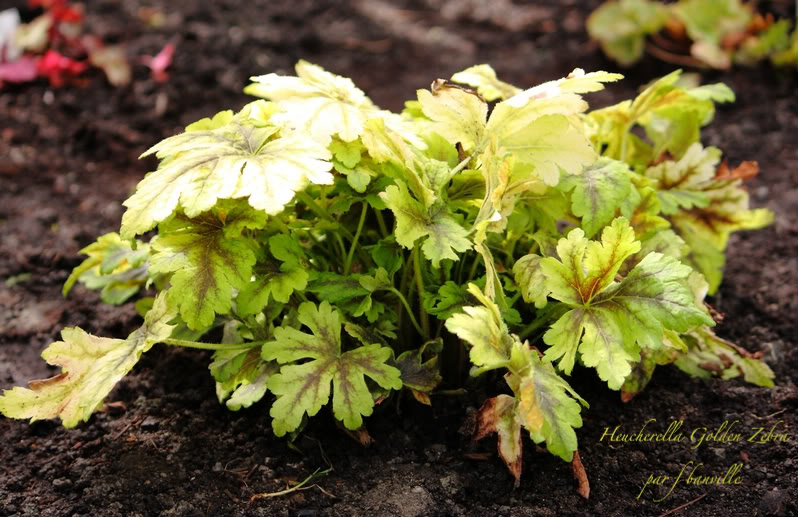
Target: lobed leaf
277, 277
208, 258
458, 115
550, 144
483, 328
610, 321
304, 388
598, 192
444, 236
237, 160
113, 266
483, 78
91, 367
546, 410
241, 377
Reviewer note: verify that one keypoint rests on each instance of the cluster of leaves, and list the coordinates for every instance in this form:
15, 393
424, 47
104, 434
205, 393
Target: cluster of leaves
715, 33
54, 46
343, 251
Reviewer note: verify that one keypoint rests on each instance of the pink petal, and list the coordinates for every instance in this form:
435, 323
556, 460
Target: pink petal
19, 71
160, 62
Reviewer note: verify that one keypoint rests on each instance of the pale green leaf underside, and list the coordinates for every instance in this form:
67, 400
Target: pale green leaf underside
711, 356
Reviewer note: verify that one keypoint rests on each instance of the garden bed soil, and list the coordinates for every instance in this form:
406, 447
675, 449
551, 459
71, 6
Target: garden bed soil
165, 446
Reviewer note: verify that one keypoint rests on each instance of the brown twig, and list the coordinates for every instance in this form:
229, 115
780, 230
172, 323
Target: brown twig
685, 505
478, 456
296, 488
583, 485
777, 413
667, 44
128, 426
675, 59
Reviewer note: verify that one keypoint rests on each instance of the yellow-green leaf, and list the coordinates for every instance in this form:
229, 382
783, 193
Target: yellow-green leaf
304, 388
91, 367
483, 78
233, 161
459, 116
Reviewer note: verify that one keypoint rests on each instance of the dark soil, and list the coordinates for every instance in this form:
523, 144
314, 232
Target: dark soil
69, 158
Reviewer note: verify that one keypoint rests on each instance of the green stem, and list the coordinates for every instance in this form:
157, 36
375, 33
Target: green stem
552, 312
323, 197
381, 224
624, 140
460, 268
532, 327
348, 263
403, 286
407, 308
341, 247
211, 346
281, 225
473, 268
405, 275
321, 212
420, 285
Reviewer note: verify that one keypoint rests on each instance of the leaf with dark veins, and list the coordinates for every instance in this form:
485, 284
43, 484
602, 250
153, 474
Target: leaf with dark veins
546, 410
305, 387
209, 258
598, 192
611, 321
444, 235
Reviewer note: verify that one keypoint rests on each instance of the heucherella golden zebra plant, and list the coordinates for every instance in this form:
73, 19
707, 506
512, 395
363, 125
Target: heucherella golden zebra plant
345, 252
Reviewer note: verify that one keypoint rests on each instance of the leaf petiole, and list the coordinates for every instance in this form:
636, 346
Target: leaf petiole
211, 346
348, 262
407, 308
420, 285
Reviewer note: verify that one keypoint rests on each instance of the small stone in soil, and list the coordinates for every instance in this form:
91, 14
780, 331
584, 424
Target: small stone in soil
774, 502
62, 484
150, 423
